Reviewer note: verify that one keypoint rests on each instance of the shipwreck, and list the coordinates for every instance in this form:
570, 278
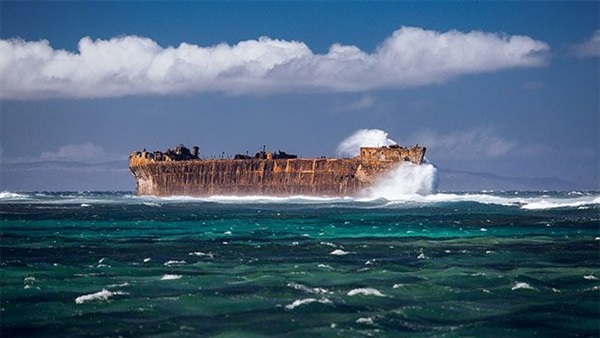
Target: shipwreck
181, 171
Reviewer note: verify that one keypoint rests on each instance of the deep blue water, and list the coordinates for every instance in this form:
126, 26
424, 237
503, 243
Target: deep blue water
496, 264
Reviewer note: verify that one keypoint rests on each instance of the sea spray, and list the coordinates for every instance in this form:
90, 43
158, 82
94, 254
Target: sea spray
351, 145
405, 180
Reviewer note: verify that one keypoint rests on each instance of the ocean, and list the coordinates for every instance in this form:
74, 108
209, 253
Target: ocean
481, 264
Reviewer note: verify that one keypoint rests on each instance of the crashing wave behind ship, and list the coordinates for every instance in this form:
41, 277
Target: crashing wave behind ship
182, 172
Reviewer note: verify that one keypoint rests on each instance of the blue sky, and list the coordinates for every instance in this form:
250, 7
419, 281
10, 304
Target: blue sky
507, 88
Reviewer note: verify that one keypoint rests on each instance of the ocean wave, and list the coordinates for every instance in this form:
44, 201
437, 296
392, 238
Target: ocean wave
246, 199
339, 252
522, 200
536, 201
170, 277
103, 295
7, 195
303, 288
305, 301
365, 292
572, 203
365, 320
522, 285
173, 262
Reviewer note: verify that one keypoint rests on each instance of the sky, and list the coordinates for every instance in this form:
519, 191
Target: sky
508, 90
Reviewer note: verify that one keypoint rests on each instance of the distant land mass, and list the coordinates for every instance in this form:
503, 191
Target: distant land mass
455, 180
115, 176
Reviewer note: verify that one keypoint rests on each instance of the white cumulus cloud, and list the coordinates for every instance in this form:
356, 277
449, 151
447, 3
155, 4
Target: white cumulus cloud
590, 47
133, 65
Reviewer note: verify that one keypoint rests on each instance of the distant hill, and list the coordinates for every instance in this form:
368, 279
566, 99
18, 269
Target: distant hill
66, 176
454, 180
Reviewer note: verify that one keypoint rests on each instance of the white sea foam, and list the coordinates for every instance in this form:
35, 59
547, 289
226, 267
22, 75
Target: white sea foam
305, 301
171, 263
339, 252
325, 266
536, 202
170, 277
556, 203
365, 292
590, 277
202, 254
103, 295
251, 199
7, 195
303, 288
365, 320
522, 285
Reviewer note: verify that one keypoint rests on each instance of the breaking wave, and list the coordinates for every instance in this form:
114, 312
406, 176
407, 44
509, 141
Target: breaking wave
406, 180
7, 195
387, 194
100, 296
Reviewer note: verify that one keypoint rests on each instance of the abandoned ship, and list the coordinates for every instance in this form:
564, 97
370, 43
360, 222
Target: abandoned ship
182, 172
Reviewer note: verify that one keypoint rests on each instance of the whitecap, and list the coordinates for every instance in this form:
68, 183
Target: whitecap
170, 277
7, 195
365, 292
590, 277
303, 288
304, 301
325, 266
98, 296
171, 263
365, 320
557, 203
522, 285
119, 285
254, 199
339, 252
202, 254
146, 260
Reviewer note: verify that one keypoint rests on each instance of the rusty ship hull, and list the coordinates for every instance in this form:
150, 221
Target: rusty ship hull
160, 176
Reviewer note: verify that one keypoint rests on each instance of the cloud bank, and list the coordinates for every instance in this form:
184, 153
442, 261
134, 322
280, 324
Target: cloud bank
85, 152
133, 65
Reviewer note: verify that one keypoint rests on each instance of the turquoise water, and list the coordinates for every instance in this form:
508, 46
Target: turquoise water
494, 264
